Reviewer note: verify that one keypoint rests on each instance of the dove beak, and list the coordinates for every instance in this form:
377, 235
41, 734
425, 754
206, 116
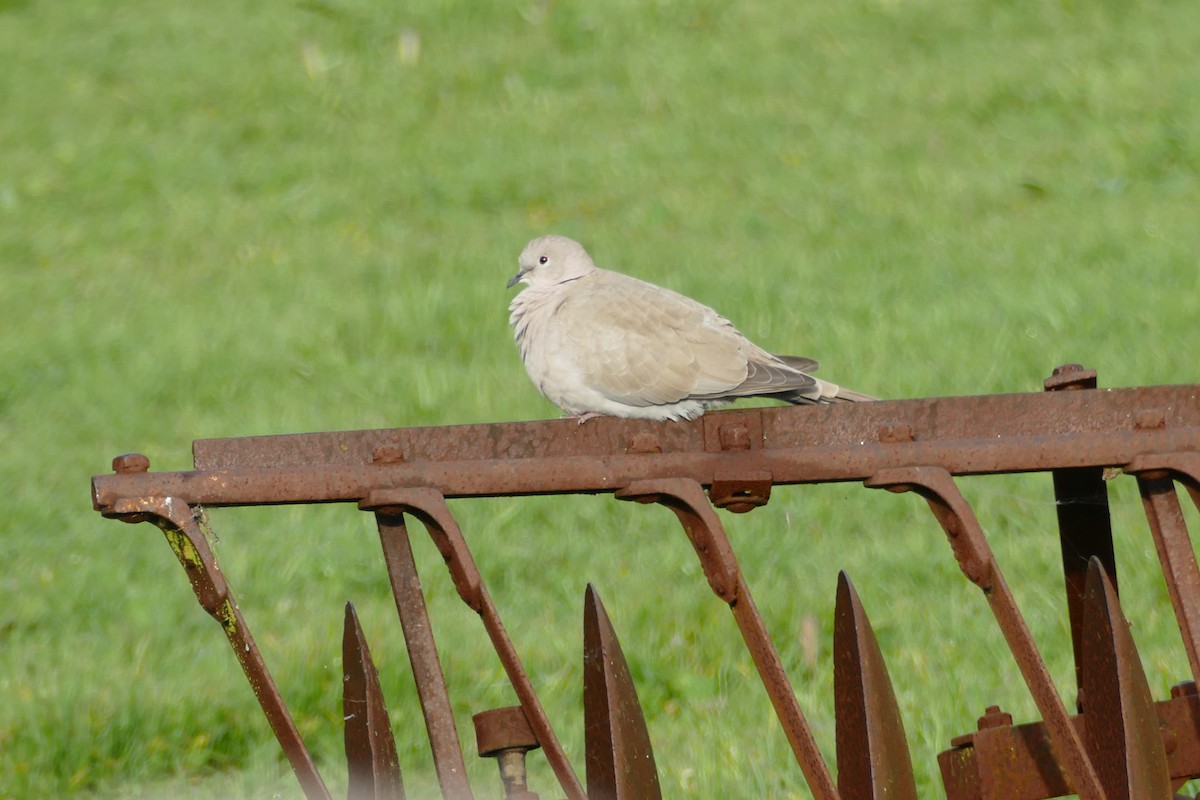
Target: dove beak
515, 279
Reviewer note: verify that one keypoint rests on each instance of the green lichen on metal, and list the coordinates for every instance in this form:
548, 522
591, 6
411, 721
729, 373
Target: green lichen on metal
228, 619
184, 550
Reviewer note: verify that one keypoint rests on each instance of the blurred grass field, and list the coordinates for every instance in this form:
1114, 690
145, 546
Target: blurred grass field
219, 219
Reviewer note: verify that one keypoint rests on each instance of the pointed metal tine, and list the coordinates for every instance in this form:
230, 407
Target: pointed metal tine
374, 768
620, 761
872, 751
1121, 726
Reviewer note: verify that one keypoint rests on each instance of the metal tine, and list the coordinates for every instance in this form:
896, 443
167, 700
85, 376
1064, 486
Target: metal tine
620, 760
429, 506
423, 657
686, 498
976, 561
175, 518
371, 760
1121, 726
872, 751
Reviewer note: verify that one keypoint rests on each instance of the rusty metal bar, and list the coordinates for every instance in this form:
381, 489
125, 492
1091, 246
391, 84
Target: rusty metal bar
872, 751
423, 657
976, 561
1174, 546
177, 521
963, 435
1121, 727
430, 508
372, 764
708, 538
620, 760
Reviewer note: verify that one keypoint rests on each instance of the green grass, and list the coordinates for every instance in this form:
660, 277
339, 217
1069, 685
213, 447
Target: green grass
219, 219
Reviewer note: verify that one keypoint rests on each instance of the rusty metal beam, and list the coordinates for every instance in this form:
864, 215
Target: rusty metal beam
423, 657
810, 444
1175, 553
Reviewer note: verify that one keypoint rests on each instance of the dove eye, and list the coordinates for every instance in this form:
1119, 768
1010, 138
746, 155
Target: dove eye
543, 260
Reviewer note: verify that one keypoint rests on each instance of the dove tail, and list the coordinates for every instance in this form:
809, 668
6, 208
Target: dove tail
845, 395
830, 393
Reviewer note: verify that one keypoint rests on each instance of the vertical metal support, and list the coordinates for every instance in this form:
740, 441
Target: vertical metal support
1121, 726
976, 561
372, 764
1084, 523
686, 498
620, 760
175, 518
429, 506
872, 751
423, 657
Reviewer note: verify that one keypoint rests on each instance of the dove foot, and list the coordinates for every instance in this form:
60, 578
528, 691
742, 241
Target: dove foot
584, 417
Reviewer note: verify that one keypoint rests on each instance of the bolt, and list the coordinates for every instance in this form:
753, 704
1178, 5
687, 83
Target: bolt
1185, 689
1070, 377
894, 434
643, 443
993, 717
130, 462
504, 734
387, 454
1150, 419
734, 437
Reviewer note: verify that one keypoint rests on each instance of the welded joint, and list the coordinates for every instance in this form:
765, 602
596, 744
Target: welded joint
740, 492
1154, 466
739, 431
177, 520
952, 511
429, 506
686, 498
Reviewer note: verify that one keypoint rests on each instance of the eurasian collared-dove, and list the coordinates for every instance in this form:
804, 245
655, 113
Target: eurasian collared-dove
596, 342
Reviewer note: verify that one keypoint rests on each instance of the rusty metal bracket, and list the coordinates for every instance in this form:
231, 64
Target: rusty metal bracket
976, 561
708, 538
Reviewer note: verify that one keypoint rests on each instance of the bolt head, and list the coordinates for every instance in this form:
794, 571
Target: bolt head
130, 462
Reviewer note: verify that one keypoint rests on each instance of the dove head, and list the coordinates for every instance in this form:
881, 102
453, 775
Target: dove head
551, 260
